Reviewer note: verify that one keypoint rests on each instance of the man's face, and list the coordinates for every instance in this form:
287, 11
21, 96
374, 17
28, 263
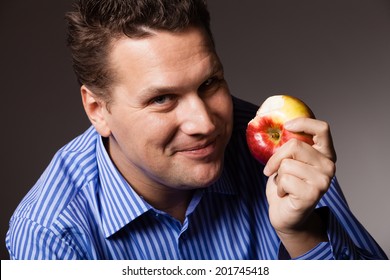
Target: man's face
171, 113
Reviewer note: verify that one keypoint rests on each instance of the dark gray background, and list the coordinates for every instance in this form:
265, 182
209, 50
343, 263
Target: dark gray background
334, 54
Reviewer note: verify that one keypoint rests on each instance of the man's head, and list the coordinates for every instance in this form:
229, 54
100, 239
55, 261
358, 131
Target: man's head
95, 25
154, 86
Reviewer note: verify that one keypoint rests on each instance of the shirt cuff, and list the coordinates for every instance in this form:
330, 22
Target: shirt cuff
339, 246
322, 251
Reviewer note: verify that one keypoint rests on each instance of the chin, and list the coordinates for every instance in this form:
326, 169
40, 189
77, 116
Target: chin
206, 176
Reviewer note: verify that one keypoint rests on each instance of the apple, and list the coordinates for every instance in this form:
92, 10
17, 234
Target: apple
266, 133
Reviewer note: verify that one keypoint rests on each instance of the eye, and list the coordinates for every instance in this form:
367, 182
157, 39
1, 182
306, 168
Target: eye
209, 81
163, 103
162, 99
209, 84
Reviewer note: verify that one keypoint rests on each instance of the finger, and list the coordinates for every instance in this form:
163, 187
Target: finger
306, 125
275, 189
279, 188
320, 131
295, 168
286, 174
316, 176
293, 149
300, 195
320, 175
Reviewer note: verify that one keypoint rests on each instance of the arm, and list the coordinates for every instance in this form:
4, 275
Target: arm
347, 238
28, 240
301, 178
299, 175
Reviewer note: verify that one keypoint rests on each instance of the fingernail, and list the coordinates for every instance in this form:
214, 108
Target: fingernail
288, 125
266, 171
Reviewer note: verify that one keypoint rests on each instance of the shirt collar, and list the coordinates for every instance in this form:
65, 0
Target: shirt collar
121, 205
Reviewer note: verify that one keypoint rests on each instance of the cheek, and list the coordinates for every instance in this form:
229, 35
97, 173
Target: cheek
148, 132
228, 111
223, 107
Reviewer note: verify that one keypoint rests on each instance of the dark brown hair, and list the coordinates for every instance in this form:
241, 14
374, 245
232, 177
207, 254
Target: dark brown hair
94, 24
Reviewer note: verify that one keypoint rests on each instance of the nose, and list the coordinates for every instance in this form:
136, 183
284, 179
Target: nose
196, 117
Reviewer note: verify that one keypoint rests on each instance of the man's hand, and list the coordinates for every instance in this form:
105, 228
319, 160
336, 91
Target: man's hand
299, 175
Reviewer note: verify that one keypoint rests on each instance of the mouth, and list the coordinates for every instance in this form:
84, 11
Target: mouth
200, 151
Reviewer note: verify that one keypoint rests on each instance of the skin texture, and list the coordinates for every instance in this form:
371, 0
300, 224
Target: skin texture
299, 175
170, 119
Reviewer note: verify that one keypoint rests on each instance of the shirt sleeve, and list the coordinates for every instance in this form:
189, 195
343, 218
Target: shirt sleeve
348, 239
28, 240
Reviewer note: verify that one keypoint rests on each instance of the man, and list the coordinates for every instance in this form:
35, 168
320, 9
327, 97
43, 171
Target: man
164, 172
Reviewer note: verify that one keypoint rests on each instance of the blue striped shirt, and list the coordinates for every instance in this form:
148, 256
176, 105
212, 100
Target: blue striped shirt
82, 208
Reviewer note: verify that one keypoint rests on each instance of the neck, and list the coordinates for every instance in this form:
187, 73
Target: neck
174, 203
170, 200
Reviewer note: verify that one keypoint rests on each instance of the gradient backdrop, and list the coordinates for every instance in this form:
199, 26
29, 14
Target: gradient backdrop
334, 54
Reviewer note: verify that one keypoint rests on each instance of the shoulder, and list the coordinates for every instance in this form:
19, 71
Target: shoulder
243, 112
71, 168
243, 168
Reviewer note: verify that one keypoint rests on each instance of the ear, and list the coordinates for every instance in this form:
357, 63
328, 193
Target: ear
96, 111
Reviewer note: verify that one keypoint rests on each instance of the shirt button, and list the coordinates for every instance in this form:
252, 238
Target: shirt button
344, 255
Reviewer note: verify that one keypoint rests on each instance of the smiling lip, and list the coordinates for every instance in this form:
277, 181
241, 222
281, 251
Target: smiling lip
200, 151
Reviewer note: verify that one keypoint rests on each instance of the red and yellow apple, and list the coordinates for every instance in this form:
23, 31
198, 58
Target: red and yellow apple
266, 133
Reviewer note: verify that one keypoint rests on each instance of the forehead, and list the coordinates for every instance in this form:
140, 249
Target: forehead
161, 53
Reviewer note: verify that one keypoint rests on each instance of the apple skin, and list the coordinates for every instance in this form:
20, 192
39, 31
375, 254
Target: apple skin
265, 133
